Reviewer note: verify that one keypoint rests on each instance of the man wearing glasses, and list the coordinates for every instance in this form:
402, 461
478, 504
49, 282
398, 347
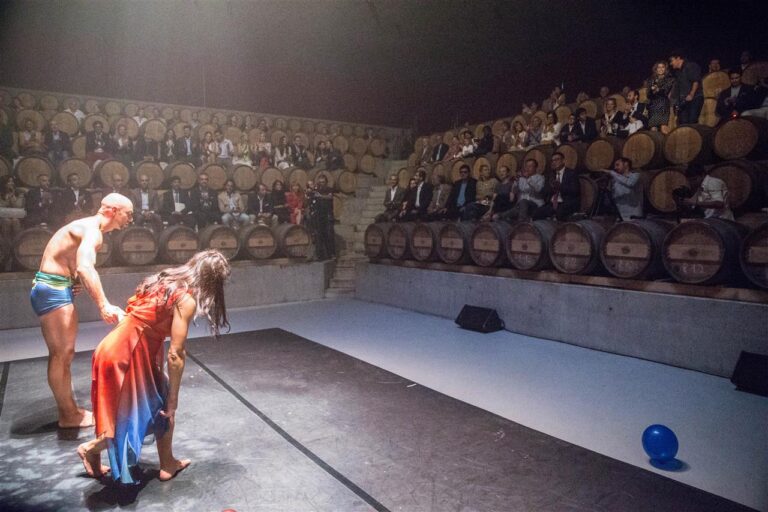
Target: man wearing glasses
736, 99
69, 260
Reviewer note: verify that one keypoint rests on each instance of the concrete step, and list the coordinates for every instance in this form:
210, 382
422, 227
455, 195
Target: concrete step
334, 293
358, 247
348, 284
344, 273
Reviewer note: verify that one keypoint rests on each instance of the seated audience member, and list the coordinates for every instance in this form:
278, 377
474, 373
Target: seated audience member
485, 190
521, 136
440, 192
581, 97
454, 148
232, 207
503, 196
634, 109
58, 144
714, 65
118, 187
205, 204
528, 188
243, 151
176, 205
260, 207
507, 138
550, 134
294, 198
468, 145
485, 143
462, 195
140, 117
586, 126
604, 92
626, 189
745, 59
321, 154
570, 131
146, 205
168, 147
393, 201
194, 119
74, 202
11, 208
31, 140
262, 152
335, 158
279, 206
122, 146
526, 110
736, 99
417, 199
98, 145
74, 108
40, 204
226, 150
689, 98
209, 149
711, 196
281, 154
762, 110
187, 148
299, 156
439, 150
248, 123
425, 151
549, 104
534, 133
612, 119
146, 149
565, 199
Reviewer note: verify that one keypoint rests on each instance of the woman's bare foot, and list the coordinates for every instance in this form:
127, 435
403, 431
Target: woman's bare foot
91, 462
82, 419
170, 472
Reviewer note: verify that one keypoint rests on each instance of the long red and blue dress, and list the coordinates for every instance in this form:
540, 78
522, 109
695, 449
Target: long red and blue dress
129, 386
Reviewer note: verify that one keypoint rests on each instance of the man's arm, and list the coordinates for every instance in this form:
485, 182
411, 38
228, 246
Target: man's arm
86, 271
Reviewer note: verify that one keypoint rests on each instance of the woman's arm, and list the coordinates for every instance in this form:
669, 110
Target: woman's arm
183, 313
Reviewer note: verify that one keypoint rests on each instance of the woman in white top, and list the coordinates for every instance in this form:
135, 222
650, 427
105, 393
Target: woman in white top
243, 151
280, 157
468, 145
521, 135
551, 133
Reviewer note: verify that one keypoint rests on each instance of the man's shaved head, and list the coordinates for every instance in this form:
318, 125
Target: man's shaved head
115, 200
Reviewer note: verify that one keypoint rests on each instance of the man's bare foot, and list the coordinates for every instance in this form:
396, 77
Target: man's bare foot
170, 472
83, 419
91, 462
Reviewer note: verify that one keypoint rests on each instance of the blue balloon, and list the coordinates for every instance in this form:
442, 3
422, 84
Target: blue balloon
660, 443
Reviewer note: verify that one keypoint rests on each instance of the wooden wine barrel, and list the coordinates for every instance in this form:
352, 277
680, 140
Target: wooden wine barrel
359, 130
202, 129
438, 169
321, 128
593, 106
341, 143
574, 154
527, 244
92, 119
131, 109
77, 166
5, 253
411, 161
30, 115
280, 124
358, 146
275, 137
49, 102
404, 175
487, 244
316, 173
257, 242
602, 152
703, 251
660, 186
292, 240
244, 177
486, 160
621, 101
708, 115
106, 169
347, 130
513, 160
204, 116
48, 114
217, 175
154, 129
562, 113
690, 143
378, 147
645, 149
153, 171
742, 178
753, 256
344, 181
374, 240
295, 175
167, 114
575, 247
308, 126
423, 241
78, 146
5, 166
185, 115
366, 164
632, 250
350, 161
29, 245
176, 244
222, 238
233, 133
712, 84
398, 240
270, 175
27, 100
743, 137
755, 72
185, 171
453, 242
67, 123
588, 193
542, 154
456, 167
448, 136
112, 108
91, 106
29, 168
135, 245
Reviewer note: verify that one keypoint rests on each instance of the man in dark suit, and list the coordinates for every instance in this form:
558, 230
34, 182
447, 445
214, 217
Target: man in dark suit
463, 193
175, 207
204, 203
586, 128
146, 149
58, 144
565, 198
634, 110
393, 201
737, 98
146, 204
98, 145
298, 154
260, 208
187, 148
417, 199
40, 204
74, 202
439, 150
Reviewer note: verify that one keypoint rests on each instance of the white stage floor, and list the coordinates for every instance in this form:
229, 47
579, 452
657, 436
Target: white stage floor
600, 401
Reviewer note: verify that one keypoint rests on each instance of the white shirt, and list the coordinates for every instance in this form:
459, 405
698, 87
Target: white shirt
418, 193
226, 149
715, 189
144, 200
530, 188
140, 120
77, 113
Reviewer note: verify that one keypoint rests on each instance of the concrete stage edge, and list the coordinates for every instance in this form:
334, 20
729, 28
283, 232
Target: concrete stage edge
696, 333
252, 284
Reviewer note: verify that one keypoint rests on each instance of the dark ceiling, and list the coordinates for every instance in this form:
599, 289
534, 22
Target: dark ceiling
422, 64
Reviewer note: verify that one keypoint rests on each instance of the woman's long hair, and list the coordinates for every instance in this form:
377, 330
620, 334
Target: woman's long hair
203, 276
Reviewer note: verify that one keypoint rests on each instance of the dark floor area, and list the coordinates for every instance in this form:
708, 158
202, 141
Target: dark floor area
275, 422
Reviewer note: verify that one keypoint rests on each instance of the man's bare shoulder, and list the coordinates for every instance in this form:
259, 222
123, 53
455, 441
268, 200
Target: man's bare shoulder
78, 228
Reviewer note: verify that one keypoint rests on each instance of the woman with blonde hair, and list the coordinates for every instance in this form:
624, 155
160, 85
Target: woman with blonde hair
659, 87
132, 397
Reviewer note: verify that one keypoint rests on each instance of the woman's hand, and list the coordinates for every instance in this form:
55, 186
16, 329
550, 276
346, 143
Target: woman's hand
169, 413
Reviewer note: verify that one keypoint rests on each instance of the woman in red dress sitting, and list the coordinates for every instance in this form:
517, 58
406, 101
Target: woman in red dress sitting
295, 201
132, 396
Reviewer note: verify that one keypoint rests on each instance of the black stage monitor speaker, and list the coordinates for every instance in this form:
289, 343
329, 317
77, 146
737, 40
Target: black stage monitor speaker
479, 319
751, 373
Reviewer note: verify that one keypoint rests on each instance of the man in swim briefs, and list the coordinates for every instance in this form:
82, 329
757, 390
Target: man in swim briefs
70, 257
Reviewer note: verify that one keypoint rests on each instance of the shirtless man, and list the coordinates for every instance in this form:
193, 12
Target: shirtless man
70, 256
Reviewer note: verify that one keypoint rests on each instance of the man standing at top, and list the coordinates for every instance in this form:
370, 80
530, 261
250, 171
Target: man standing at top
70, 256
689, 96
